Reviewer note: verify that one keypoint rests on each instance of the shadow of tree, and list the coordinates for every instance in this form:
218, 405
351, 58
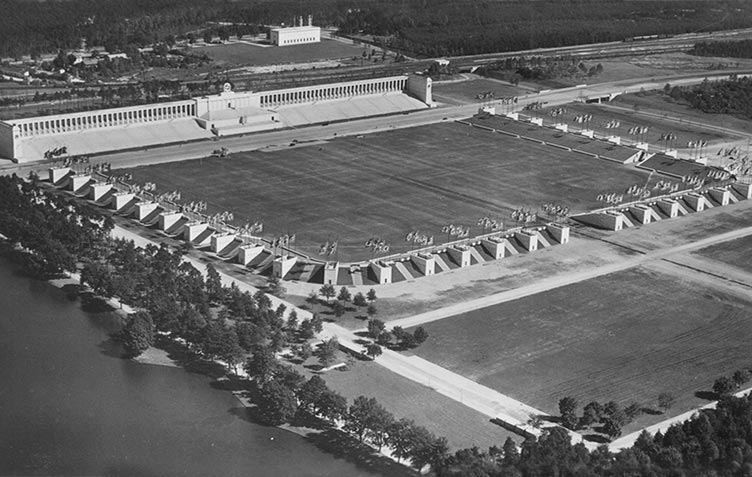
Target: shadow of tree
342, 446
707, 395
597, 438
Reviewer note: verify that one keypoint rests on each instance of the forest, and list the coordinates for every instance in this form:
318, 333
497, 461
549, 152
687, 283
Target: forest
732, 96
438, 28
725, 49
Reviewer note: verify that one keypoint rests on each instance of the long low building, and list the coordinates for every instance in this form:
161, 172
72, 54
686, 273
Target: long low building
227, 113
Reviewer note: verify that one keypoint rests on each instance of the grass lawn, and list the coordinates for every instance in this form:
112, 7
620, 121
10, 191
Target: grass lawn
462, 426
463, 92
389, 184
660, 103
737, 253
625, 337
246, 54
628, 119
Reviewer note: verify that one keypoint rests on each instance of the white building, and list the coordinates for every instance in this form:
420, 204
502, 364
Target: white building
296, 35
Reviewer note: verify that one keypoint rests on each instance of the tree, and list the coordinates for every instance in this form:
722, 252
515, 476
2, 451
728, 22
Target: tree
371, 310
306, 329
633, 410
312, 298
277, 403
591, 414
359, 300
338, 309
371, 295
262, 365
317, 323
740, 377
138, 334
420, 335
373, 350
723, 386
292, 321
384, 338
344, 295
375, 328
310, 394
358, 415
398, 437
214, 284
332, 405
665, 401
327, 291
568, 412
274, 286
327, 351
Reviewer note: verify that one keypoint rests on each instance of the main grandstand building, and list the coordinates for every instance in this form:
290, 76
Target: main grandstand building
296, 35
227, 113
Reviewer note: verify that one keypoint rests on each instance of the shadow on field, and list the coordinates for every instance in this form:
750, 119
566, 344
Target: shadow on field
345, 447
597, 438
707, 395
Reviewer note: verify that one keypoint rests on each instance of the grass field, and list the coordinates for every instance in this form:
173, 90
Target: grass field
463, 92
629, 118
247, 54
737, 253
657, 102
624, 337
389, 184
462, 426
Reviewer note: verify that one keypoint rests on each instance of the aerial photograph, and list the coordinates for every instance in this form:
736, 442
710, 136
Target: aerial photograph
485, 238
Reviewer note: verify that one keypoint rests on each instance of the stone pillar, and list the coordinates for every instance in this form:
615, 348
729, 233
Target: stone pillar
193, 229
529, 241
57, 174
99, 190
614, 139
331, 269
425, 262
121, 199
641, 212
383, 272
494, 246
144, 208
587, 133
246, 253
537, 121
78, 181
722, 196
282, 265
168, 219
745, 190
559, 232
561, 127
695, 201
669, 207
221, 240
460, 254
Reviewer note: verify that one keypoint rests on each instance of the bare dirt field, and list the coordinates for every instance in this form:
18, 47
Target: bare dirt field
624, 337
242, 53
737, 253
389, 184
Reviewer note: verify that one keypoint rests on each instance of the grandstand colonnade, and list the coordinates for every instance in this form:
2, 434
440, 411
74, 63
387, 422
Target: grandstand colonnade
22, 139
309, 94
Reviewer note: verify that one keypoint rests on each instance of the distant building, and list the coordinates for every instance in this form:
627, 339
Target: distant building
296, 35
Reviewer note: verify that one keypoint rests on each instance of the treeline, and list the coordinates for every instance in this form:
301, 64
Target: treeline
53, 231
727, 49
448, 27
731, 96
714, 443
538, 68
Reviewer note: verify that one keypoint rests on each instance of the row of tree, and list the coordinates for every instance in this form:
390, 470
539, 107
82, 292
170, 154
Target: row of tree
54, 231
730, 96
282, 394
726, 49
